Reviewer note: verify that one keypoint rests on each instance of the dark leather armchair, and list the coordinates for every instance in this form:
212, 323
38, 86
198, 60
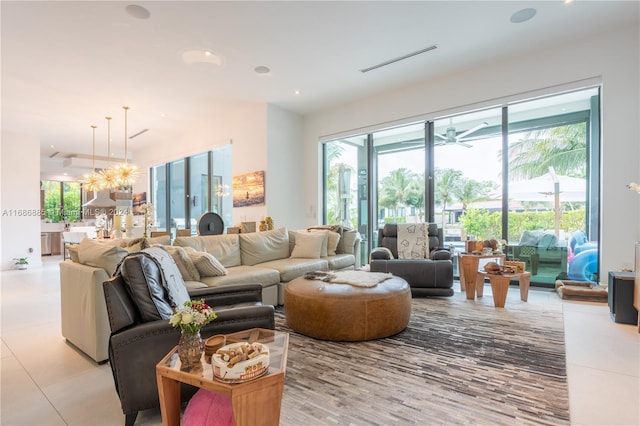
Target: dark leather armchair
136, 345
426, 277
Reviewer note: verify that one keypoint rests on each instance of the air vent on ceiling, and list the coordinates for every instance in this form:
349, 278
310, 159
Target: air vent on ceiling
400, 58
139, 133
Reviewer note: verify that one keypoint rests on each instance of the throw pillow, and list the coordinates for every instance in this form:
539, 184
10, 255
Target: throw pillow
165, 240
308, 245
73, 252
206, 264
324, 250
185, 264
99, 255
333, 240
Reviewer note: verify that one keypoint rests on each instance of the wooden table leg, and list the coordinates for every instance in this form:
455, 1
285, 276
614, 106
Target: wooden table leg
525, 280
499, 288
470, 265
169, 394
480, 284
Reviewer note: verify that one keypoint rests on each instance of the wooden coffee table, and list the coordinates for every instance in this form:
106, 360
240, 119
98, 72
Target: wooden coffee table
256, 402
500, 285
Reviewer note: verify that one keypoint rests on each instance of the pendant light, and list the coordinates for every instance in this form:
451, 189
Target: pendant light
92, 180
102, 198
108, 175
126, 173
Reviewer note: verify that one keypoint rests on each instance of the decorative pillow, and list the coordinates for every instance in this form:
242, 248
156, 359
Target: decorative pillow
134, 244
165, 240
206, 263
224, 247
347, 242
73, 252
333, 239
324, 250
99, 255
308, 245
183, 261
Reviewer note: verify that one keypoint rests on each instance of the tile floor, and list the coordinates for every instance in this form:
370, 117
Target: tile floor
45, 381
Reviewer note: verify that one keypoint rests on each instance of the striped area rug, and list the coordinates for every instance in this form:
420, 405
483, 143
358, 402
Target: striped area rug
458, 362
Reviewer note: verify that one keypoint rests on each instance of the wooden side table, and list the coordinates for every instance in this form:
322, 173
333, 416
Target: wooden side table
500, 286
256, 402
469, 279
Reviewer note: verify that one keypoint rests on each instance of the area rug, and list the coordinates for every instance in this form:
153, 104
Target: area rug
458, 362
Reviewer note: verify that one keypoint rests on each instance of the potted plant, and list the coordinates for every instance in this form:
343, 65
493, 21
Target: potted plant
21, 262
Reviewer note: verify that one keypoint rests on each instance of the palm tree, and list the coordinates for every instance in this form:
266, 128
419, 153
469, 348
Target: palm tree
447, 183
470, 191
396, 188
563, 147
416, 195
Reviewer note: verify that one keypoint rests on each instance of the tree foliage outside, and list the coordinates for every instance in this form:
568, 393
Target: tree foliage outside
484, 224
564, 148
62, 202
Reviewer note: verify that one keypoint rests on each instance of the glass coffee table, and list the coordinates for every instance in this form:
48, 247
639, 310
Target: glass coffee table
256, 402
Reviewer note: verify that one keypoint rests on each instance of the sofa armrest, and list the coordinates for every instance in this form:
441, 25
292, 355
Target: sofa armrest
441, 254
229, 294
83, 311
380, 253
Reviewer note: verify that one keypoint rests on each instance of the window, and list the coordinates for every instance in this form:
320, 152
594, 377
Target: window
61, 201
184, 189
525, 172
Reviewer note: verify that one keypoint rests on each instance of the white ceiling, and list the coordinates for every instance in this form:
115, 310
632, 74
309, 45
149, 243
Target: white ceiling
66, 65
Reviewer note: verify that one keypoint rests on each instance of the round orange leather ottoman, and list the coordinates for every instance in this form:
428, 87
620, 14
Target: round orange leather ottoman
344, 312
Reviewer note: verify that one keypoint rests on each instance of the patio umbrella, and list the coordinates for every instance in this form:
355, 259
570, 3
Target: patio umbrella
550, 187
344, 187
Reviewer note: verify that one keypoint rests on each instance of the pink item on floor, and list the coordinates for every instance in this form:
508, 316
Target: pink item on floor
208, 409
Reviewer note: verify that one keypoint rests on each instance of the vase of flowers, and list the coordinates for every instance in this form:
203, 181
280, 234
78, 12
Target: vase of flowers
191, 318
148, 214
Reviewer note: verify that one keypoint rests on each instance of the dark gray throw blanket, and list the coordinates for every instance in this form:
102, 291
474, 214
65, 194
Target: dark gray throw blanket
171, 278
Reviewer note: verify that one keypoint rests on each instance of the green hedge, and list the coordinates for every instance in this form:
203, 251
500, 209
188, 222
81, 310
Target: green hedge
486, 225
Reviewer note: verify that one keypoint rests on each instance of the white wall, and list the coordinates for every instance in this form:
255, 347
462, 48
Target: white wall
284, 195
19, 200
612, 58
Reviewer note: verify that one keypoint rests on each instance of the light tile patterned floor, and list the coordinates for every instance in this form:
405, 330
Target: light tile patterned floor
45, 381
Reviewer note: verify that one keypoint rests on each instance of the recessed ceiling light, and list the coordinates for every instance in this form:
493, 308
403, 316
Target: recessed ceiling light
297, 92
137, 12
202, 56
51, 146
523, 15
262, 69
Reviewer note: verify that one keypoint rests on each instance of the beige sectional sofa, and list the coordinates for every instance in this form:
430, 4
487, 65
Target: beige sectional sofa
271, 258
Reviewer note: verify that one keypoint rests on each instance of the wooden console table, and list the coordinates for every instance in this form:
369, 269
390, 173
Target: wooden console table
255, 403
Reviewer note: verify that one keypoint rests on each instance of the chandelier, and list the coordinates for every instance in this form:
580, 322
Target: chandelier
120, 177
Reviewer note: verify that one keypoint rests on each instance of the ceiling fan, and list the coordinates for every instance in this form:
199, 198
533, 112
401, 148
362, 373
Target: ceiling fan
451, 138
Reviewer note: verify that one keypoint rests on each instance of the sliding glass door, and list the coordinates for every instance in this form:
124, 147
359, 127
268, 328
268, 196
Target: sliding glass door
346, 189
552, 152
399, 162
524, 172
